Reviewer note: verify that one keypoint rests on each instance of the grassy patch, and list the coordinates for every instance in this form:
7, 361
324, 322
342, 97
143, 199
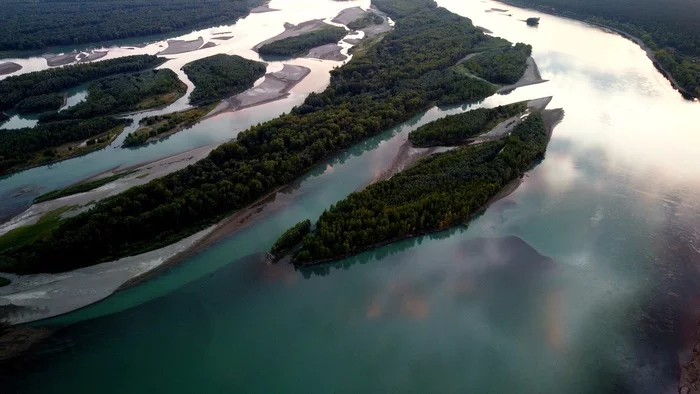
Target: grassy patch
79, 188
33, 232
162, 125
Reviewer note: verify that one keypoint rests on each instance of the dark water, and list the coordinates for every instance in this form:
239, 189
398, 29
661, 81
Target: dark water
585, 280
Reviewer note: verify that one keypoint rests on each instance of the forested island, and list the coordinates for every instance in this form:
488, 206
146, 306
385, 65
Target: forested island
457, 129
125, 93
668, 28
118, 86
502, 66
43, 23
439, 192
51, 142
379, 88
55, 80
301, 44
221, 76
159, 126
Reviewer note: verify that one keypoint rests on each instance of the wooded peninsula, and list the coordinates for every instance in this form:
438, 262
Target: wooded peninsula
301, 44
221, 76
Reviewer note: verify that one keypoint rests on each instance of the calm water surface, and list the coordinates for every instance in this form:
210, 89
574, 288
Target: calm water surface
584, 280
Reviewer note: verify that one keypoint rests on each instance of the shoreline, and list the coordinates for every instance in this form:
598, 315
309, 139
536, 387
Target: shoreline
650, 54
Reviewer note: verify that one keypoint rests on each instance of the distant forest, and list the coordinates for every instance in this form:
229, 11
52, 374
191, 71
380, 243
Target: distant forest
671, 28
27, 25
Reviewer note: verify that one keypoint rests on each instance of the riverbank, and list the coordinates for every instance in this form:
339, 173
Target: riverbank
649, 52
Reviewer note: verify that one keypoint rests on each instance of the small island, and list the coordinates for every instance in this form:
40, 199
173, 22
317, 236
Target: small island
532, 21
221, 76
301, 44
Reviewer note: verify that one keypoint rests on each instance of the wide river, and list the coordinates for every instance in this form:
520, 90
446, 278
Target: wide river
584, 280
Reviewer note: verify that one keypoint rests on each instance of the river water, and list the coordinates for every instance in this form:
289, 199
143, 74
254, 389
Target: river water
584, 280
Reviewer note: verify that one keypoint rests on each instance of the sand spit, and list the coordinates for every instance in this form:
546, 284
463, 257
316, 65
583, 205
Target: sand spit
531, 77
142, 174
327, 52
275, 86
9, 68
265, 7
291, 30
53, 60
35, 297
182, 46
61, 59
349, 15
222, 38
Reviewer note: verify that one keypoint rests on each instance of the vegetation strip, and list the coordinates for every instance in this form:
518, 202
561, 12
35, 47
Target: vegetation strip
439, 192
456, 129
160, 126
81, 187
379, 88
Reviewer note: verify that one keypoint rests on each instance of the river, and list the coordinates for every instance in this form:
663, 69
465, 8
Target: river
583, 280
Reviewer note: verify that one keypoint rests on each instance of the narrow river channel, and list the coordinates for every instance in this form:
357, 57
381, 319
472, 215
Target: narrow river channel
583, 280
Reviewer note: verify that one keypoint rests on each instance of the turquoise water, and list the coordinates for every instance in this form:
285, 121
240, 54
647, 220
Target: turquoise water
584, 280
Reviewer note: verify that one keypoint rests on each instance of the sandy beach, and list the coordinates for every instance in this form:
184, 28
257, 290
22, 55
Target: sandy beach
327, 52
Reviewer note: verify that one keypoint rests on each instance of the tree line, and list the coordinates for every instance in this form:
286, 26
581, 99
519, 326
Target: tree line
301, 44
441, 191
457, 129
16, 88
407, 72
221, 76
28, 25
153, 126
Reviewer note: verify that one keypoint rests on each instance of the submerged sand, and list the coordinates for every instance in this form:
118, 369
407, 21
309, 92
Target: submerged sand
9, 68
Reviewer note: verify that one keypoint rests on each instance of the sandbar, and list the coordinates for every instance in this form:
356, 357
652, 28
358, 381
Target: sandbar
275, 86
182, 46
349, 15
9, 68
531, 77
222, 38
54, 60
327, 52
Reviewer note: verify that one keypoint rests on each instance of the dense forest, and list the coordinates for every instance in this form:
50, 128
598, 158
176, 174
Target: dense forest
17, 88
370, 19
407, 72
125, 93
456, 129
291, 238
21, 146
221, 76
670, 28
397, 9
440, 191
39, 24
41, 103
500, 66
153, 126
300, 45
